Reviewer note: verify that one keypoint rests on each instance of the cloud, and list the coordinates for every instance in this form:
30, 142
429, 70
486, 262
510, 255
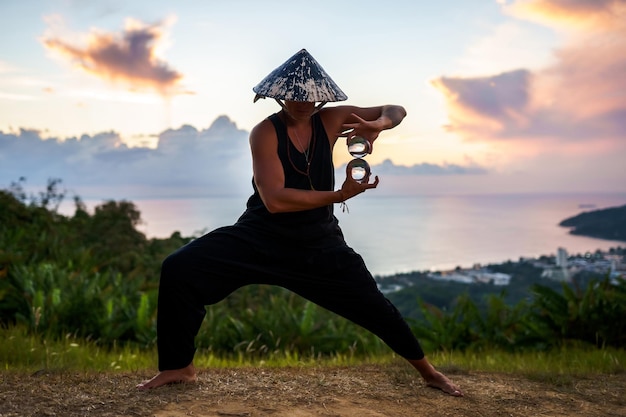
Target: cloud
186, 162
481, 105
6, 68
130, 56
387, 167
581, 98
596, 14
16, 97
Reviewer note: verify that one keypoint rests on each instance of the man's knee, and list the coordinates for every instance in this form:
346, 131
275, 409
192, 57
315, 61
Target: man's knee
174, 266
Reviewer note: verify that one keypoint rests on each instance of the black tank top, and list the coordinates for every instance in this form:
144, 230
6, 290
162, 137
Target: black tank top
306, 224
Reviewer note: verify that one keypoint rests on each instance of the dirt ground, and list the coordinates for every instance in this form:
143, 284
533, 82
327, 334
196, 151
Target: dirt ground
359, 391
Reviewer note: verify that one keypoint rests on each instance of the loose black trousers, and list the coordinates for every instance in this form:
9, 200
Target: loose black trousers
327, 272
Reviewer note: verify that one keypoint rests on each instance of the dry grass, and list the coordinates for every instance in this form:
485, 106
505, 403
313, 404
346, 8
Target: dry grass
364, 390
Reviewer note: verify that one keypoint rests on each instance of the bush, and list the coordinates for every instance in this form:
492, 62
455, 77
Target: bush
95, 276
595, 315
551, 319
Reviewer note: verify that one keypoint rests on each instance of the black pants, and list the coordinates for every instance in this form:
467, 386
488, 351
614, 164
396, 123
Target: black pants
328, 273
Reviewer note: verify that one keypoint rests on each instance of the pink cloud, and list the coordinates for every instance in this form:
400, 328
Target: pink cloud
485, 105
129, 57
580, 99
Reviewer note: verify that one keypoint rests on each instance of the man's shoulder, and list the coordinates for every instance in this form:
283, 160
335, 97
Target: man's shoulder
265, 128
265, 123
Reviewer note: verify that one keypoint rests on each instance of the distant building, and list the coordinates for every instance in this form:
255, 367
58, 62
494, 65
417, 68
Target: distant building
473, 276
390, 288
556, 274
453, 276
618, 268
561, 257
499, 278
560, 272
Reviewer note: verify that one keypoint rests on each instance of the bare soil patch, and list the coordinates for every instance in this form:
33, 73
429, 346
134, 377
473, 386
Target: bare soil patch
363, 391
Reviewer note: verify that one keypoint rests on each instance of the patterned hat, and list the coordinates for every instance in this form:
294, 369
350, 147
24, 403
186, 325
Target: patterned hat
300, 78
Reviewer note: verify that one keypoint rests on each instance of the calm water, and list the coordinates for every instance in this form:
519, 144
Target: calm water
402, 234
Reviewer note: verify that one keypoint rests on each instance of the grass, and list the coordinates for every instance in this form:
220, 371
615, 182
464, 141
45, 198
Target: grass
21, 351
558, 366
24, 352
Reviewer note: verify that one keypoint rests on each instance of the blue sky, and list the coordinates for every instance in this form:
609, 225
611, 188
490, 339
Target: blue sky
502, 96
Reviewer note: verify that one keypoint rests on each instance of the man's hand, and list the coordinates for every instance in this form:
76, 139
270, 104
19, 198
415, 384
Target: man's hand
352, 187
364, 128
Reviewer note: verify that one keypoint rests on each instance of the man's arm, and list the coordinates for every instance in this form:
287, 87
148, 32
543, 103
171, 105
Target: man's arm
270, 178
345, 121
349, 121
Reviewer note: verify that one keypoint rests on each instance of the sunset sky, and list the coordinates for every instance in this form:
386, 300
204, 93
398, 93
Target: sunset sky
502, 96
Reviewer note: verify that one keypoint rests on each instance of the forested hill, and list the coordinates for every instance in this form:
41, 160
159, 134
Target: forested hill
607, 223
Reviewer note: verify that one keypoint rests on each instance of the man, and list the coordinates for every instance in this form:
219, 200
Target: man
288, 235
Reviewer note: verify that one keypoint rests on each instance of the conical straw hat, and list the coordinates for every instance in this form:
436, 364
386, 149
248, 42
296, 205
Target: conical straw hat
300, 78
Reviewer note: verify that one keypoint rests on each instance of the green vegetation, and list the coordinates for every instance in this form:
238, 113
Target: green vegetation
94, 276
444, 294
545, 365
552, 319
607, 223
23, 352
80, 292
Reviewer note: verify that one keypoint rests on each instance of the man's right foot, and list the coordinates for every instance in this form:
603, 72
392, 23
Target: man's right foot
183, 375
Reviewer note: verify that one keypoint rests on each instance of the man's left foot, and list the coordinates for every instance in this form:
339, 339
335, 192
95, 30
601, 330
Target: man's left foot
440, 381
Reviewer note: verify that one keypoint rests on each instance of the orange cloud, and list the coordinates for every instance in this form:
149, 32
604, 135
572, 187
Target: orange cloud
580, 99
129, 56
597, 14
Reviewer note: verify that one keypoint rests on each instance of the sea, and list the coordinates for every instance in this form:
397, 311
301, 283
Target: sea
417, 233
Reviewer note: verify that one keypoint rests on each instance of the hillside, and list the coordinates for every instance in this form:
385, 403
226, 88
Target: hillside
444, 294
609, 223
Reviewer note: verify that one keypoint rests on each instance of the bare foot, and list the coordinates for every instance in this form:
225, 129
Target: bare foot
440, 381
434, 378
184, 375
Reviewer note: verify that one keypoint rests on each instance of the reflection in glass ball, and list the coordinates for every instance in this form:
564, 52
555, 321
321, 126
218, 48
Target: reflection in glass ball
358, 146
359, 170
